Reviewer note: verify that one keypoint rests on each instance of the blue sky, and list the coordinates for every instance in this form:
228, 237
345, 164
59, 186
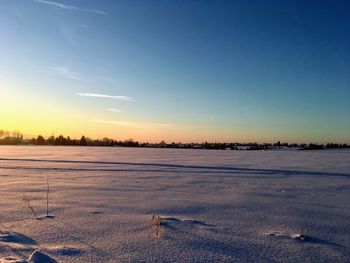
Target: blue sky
177, 70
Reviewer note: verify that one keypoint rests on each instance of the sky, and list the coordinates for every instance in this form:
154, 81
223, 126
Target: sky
225, 71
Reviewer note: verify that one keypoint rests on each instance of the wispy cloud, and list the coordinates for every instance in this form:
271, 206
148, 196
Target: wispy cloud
119, 123
114, 110
106, 96
67, 73
134, 124
70, 7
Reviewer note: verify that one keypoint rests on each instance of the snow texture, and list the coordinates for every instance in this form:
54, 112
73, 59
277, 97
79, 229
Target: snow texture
214, 206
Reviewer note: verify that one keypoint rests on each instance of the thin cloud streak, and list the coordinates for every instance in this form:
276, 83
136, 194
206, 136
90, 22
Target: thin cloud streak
67, 73
119, 123
134, 124
126, 98
70, 7
114, 110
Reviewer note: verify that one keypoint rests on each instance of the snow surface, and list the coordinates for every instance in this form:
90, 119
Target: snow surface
216, 206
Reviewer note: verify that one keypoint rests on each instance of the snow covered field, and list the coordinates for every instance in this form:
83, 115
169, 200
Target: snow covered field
216, 206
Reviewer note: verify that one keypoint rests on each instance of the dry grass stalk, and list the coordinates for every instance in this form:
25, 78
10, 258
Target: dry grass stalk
26, 200
47, 194
157, 223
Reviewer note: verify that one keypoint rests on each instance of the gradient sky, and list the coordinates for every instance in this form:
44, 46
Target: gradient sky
177, 70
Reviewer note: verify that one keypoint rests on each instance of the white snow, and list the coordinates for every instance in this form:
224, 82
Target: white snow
215, 206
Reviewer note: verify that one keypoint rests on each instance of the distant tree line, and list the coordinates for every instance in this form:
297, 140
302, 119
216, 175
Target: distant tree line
16, 138
10, 137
